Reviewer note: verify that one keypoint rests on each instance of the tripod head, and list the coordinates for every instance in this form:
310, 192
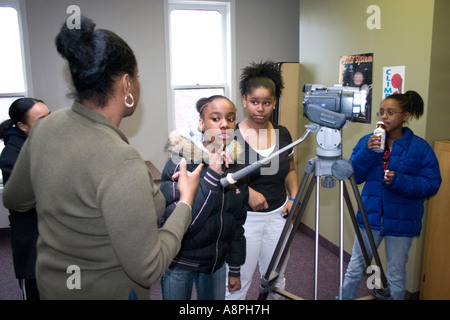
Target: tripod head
329, 162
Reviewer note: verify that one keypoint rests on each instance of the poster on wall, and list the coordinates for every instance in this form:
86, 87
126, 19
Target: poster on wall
356, 71
393, 80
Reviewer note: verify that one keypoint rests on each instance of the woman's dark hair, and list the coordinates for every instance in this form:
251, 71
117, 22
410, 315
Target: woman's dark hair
18, 112
264, 74
96, 59
202, 103
410, 101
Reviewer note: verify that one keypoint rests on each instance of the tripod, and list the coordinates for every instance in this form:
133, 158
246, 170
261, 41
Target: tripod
330, 165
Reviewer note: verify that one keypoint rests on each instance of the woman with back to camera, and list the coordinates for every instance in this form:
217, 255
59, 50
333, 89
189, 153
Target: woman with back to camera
23, 114
216, 234
261, 85
397, 182
97, 204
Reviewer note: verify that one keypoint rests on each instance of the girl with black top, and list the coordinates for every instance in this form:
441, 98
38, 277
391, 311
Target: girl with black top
261, 86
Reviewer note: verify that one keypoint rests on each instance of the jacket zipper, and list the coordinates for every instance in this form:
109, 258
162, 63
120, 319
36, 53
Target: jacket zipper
220, 233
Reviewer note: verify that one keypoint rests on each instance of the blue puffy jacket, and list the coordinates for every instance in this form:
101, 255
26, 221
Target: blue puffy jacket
397, 208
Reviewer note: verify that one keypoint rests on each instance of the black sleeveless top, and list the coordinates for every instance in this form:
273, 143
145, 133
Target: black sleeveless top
269, 180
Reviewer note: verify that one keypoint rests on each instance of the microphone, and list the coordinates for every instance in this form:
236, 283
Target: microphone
232, 178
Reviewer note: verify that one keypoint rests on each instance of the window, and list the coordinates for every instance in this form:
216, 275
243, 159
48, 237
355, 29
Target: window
12, 75
199, 54
12, 81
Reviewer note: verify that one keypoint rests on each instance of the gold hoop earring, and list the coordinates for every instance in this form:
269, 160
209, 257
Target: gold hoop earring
129, 105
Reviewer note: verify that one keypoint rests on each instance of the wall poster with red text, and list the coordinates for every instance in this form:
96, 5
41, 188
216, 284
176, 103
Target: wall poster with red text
356, 71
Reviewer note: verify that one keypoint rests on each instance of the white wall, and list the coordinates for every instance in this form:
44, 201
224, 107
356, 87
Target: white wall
264, 29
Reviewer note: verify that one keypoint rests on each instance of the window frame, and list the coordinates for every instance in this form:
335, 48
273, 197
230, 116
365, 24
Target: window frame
19, 6
226, 8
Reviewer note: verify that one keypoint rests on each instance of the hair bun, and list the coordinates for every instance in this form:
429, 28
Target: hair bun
201, 103
97, 58
76, 43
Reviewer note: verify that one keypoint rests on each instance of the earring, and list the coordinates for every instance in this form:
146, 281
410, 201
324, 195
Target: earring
129, 105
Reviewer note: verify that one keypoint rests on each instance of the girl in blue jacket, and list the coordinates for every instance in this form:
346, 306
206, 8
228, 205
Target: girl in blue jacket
396, 184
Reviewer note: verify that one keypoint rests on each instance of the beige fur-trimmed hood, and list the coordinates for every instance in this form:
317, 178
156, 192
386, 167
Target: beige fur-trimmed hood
188, 143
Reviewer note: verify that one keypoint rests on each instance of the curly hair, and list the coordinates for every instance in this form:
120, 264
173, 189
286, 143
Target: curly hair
264, 74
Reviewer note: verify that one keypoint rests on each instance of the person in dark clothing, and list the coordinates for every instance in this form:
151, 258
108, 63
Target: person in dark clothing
261, 87
23, 113
216, 234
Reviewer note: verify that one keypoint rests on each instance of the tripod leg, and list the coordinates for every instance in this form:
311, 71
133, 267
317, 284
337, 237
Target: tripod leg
316, 247
341, 236
356, 226
267, 280
369, 231
297, 222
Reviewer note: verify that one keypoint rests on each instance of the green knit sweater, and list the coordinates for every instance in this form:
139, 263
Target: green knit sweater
97, 209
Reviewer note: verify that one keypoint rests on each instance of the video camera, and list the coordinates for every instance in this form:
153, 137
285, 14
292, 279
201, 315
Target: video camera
345, 103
